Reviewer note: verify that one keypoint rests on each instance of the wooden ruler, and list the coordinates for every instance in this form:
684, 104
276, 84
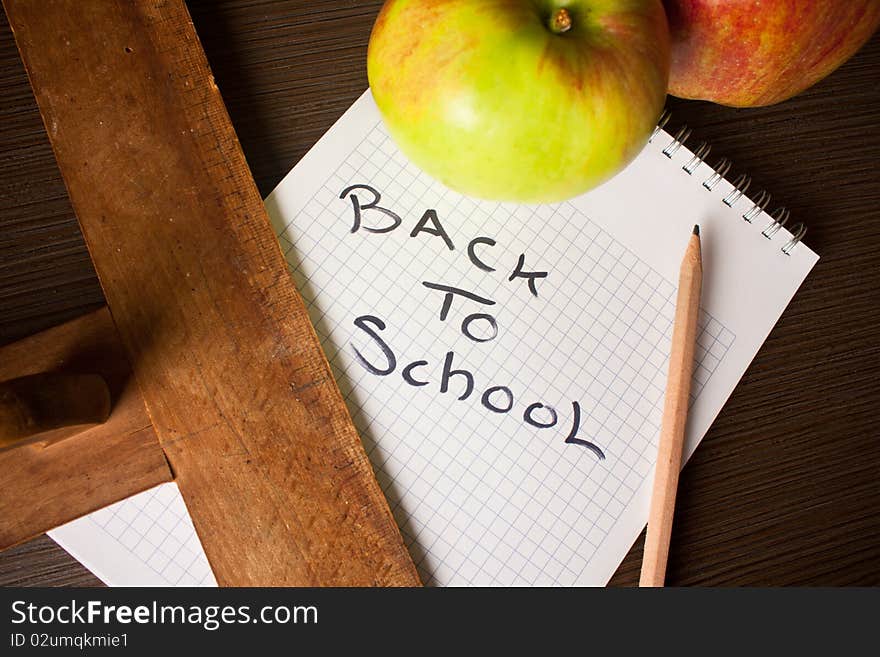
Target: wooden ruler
232, 375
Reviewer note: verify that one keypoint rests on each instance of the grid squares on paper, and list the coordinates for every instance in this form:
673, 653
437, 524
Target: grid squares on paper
156, 528
481, 497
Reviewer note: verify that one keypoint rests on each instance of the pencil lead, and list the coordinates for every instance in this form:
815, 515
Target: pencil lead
697, 230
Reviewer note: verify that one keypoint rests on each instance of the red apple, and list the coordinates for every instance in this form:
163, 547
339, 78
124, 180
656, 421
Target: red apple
748, 53
523, 100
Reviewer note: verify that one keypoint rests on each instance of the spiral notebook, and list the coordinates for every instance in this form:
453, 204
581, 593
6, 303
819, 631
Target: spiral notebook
504, 364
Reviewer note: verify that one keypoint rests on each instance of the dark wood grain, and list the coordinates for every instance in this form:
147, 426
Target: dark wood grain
784, 489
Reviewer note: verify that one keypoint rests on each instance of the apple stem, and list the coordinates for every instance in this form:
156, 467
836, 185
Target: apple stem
561, 21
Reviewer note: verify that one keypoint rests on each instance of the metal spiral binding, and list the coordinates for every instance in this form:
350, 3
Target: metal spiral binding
797, 234
761, 202
720, 171
740, 187
661, 123
677, 142
778, 218
699, 155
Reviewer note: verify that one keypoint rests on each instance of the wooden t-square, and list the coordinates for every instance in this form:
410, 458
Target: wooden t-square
229, 381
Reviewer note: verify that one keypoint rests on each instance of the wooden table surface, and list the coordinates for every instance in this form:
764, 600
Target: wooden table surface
784, 489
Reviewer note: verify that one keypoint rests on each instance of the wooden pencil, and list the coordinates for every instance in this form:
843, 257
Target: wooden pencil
675, 409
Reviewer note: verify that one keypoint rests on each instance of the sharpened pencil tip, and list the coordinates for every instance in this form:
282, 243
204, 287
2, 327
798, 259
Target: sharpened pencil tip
697, 230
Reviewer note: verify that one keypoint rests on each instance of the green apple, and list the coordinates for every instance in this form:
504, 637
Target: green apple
522, 100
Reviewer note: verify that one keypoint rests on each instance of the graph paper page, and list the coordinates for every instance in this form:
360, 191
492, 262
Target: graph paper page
145, 540
505, 364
